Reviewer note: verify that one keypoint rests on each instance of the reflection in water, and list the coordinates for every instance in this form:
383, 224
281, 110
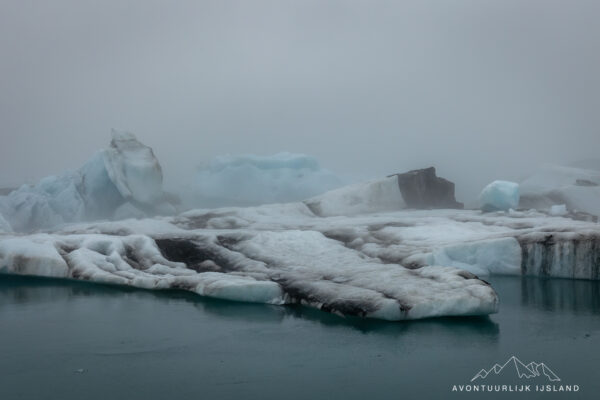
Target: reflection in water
32, 290
577, 296
548, 294
459, 326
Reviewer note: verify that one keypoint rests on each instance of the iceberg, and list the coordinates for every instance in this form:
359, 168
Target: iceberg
368, 197
499, 196
252, 180
391, 265
133, 169
577, 188
288, 266
420, 189
353, 251
126, 172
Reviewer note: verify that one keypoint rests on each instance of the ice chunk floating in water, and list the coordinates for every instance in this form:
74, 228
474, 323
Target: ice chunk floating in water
286, 263
499, 196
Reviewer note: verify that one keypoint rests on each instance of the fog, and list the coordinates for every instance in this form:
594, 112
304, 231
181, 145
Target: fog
480, 89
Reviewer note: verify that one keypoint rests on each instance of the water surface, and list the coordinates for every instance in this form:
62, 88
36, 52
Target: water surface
72, 340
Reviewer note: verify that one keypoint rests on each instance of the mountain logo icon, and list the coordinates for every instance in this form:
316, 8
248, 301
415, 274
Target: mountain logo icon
528, 371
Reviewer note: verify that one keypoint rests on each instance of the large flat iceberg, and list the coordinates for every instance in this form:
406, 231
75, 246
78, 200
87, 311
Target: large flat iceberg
256, 264
391, 265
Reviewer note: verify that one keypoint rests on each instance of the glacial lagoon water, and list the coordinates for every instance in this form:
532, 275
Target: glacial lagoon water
71, 340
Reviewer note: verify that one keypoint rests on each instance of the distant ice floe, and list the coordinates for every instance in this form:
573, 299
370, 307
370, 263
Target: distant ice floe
577, 188
125, 173
244, 180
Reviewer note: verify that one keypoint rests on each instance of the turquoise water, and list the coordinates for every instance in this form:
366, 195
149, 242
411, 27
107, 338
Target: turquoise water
70, 340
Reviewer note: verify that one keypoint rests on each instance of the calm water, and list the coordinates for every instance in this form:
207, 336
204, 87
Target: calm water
64, 340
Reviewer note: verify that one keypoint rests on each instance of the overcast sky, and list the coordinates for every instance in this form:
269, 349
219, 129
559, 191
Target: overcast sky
481, 89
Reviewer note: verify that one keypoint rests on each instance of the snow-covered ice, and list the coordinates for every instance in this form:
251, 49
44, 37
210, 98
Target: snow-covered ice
276, 267
499, 196
392, 265
32, 256
252, 180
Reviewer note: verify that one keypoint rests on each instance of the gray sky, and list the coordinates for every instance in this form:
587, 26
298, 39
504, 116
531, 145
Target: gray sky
481, 89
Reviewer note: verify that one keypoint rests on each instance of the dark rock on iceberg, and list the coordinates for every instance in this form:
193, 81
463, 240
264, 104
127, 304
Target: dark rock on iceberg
423, 189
